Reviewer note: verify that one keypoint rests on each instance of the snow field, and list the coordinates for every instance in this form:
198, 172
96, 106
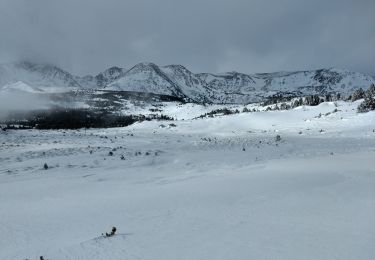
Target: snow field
214, 188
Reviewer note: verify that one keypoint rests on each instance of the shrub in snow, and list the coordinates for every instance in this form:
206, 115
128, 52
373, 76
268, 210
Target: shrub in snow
284, 106
45, 166
358, 94
367, 105
113, 231
312, 100
278, 138
371, 91
245, 110
110, 153
221, 111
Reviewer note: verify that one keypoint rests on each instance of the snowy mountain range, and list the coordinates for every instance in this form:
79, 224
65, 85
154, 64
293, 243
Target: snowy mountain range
178, 81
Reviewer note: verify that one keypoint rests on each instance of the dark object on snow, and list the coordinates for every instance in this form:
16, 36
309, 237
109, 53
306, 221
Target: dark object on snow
278, 138
112, 232
41, 258
45, 166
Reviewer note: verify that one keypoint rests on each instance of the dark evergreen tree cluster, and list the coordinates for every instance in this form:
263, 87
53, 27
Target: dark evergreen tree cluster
77, 118
313, 100
277, 98
310, 100
221, 111
357, 94
369, 103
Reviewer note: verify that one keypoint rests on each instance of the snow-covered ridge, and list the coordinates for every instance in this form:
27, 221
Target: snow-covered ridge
20, 86
178, 81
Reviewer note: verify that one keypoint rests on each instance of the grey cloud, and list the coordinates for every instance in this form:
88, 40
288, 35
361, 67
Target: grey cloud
88, 36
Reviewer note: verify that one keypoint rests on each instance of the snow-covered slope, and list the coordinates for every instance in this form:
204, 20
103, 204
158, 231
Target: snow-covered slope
214, 188
146, 77
189, 83
176, 80
20, 86
38, 76
108, 76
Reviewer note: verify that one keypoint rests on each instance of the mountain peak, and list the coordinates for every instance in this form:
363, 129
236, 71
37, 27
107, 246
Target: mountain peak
176, 67
108, 76
145, 65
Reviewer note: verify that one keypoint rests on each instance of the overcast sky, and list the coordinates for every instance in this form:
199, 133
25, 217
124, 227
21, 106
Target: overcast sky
88, 36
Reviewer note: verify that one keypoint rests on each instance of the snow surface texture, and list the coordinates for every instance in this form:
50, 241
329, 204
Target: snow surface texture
177, 81
215, 188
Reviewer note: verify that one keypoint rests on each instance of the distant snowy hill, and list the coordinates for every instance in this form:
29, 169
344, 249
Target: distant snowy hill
37, 76
20, 86
177, 81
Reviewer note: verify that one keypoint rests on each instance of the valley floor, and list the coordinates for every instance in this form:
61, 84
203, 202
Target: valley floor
215, 188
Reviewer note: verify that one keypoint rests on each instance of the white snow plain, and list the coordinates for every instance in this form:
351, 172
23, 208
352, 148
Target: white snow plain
215, 188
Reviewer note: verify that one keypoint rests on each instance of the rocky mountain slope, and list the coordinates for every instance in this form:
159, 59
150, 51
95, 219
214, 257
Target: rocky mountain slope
178, 81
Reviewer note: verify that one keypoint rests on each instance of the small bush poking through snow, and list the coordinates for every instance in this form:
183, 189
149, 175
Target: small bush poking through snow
246, 110
113, 232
